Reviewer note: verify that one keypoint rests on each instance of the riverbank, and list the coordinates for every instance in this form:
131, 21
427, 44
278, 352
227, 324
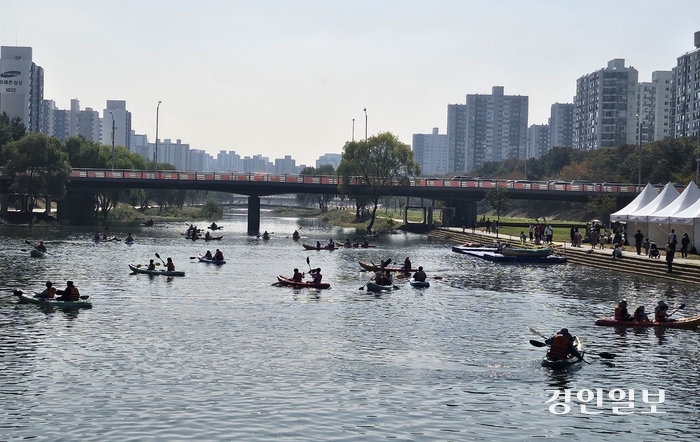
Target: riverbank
684, 269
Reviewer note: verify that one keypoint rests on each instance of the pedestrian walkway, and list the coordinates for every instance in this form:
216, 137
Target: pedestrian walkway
683, 269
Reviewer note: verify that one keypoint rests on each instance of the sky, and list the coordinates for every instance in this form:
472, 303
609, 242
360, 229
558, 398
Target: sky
277, 78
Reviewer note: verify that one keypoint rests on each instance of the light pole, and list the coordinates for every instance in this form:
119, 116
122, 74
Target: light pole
155, 159
353, 129
112, 139
365, 124
639, 167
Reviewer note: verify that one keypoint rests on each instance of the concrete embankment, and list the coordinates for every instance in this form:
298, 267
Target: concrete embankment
684, 270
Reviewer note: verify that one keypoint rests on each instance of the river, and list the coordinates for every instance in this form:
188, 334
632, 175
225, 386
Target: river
222, 354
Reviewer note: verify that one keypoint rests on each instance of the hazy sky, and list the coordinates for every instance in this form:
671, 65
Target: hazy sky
288, 77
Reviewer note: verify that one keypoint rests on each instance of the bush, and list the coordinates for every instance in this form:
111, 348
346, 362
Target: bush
211, 209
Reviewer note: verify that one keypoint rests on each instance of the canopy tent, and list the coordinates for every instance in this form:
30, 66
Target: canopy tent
688, 221
646, 196
638, 220
660, 221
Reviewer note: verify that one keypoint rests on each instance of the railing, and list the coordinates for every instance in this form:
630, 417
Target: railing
335, 180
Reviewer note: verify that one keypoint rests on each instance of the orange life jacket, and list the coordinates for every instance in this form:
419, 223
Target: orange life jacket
559, 349
52, 293
73, 294
621, 313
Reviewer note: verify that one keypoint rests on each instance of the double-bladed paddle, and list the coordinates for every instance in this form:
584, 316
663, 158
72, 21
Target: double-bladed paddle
161, 259
602, 354
680, 307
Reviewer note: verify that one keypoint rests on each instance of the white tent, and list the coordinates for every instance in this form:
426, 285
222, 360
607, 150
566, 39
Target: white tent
660, 221
688, 221
639, 219
646, 196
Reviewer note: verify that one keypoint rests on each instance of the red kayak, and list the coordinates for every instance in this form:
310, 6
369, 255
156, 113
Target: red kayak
308, 247
300, 285
690, 322
375, 268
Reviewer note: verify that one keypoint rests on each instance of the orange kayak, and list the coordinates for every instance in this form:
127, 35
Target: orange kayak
286, 281
690, 322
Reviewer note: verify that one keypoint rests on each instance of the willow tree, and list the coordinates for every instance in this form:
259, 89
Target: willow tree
379, 162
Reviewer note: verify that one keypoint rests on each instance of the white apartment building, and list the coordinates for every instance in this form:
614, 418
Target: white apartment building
228, 161
605, 107
538, 140
330, 158
685, 113
430, 151
116, 119
64, 123
654, 107
456, 137
286, 165
21, 86
561, 125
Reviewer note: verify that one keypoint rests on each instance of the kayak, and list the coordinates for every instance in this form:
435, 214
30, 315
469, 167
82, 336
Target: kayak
308, 247
215, 228
419, 284
210, 260
374, 268
128, 243
565, 362
34, 253
304, 284
28, 298
359, 246
374, 287
213, 238
155, 272
690, 322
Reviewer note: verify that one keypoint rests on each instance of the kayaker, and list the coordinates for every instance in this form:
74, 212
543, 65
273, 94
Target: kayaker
298, 276
365, 244
561, 346
661, 312
347, 242
41, 247
71, 293
355, 243
265, 235
97, 236
207, 235
218, 255
129, 238
170, 266
317, 276
104, 235
295, 235
214, 226
640, 315
420, 275
621, 313
208, 254
318, 245
49, 293
407, 264
151, 265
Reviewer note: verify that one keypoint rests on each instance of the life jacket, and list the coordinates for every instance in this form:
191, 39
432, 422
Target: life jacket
219, 256
52, 293
559, 349
621, 313
660, 315
297, 277
171, 267
73, 294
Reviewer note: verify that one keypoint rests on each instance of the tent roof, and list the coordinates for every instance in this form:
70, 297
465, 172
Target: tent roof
688, 215
646, 196
690, 195
666, 197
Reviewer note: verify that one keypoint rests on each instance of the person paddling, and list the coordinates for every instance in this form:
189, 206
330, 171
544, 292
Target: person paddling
151, 265
621, 313
49, 293
661, 312
640, 315
41, 247
561, 346
71, 293
170, 265
420, 275
218, 255
317, 276
298, 276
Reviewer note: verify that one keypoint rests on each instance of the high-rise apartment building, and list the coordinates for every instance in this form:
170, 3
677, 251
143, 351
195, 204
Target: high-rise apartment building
63, 123
456, 137
329, 158
685, 113
654, 106
538, 140
561, 125
21, 86
605, 107
430, 151
115, 118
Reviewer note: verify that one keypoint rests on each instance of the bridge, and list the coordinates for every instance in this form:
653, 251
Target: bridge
458, 193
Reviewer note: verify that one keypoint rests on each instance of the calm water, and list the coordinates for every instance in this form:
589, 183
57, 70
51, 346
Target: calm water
221, 354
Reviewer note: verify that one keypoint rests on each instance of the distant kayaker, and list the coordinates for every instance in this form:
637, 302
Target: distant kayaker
347, 242
208, 255
265, 235
41, 247
295, 235
640, 315
661, 312
621, 313
298, 277
420, 275
218, 255
317, 276
170, 266
561, 346
71, 293
129, 238
151, 265
214, 226
97, 236
104, 235
207, 235
318, 244
407, 264
49, 293
365, 244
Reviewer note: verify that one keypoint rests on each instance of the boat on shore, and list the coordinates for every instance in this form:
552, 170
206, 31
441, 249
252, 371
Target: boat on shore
522, 252
304, 284
25, 297
689, 322
563, 363
163, 272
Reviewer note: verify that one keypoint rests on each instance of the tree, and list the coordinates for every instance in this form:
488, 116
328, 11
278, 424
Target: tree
211, 209
312, 198
10, 130
602, 206
378, 161
37, 165
498, 200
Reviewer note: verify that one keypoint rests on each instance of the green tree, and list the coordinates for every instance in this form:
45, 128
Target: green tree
211, 209
11, 129
379, 162
37, 165
498, 200
321, 200
602, 206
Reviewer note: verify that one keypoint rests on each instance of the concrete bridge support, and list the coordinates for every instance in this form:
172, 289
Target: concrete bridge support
77, 209
464, 210
4, 200
253, 215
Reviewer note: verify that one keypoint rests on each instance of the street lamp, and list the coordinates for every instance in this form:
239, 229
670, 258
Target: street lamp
353, 129
112, 139
639, 167
155, 158
365, 124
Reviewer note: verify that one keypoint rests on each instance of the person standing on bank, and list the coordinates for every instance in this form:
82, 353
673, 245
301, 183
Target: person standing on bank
685, 242
670, 251
672, 240
638, 238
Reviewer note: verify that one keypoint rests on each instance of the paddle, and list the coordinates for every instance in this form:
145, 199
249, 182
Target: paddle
370, 280
602, 354
680, 307
161, 259
309, 263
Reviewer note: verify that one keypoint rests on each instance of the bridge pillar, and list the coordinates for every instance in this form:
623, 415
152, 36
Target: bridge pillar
48, 205
3, 204
253, 215
77, 209
463, 210
429, 220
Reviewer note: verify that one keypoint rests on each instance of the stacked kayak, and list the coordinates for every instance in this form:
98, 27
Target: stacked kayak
202, 258
690, 322
304, 284
419, 284
563, 363
28, 298
136, 269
